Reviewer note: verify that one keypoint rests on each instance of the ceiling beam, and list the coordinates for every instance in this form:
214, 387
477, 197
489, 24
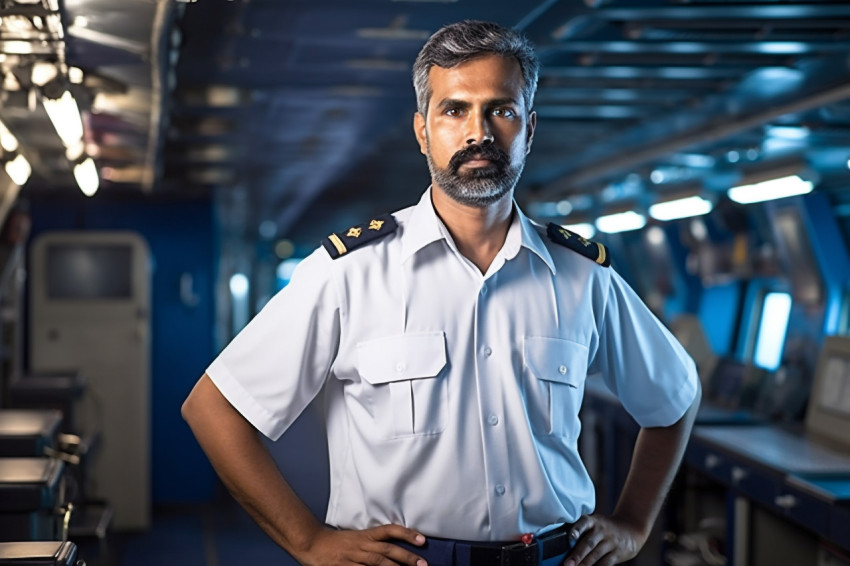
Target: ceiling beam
630, 157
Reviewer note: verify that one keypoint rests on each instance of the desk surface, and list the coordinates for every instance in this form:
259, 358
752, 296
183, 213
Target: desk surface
17, 423
780, 449
834, 489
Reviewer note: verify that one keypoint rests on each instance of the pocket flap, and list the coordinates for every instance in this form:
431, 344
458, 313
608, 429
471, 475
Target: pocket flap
402, 357
554, 359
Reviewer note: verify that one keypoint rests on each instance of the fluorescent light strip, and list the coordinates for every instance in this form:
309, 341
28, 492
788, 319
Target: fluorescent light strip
620, 222
680, 208
65, 115
770, 190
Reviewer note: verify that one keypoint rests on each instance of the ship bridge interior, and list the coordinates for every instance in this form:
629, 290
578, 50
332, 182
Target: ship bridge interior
189, 153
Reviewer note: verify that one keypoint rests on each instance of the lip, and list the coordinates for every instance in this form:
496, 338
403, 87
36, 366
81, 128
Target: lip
477, 162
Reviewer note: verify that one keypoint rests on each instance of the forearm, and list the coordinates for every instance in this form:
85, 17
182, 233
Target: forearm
247, 469
655, 461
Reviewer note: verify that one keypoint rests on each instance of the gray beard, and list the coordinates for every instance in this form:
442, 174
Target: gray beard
479, 188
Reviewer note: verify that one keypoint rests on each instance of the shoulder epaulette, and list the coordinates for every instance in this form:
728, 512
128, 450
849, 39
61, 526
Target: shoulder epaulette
339, 244
589, 249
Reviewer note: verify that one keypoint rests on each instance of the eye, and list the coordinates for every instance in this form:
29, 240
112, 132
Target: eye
455, 112
504, 112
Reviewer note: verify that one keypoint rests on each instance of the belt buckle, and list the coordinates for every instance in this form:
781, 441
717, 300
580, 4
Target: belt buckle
520, 554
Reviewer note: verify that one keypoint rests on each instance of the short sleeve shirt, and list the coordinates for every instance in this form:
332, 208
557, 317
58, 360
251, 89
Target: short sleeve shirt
452, 397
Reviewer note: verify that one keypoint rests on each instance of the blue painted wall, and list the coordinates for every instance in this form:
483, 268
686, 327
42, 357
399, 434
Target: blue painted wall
182, 239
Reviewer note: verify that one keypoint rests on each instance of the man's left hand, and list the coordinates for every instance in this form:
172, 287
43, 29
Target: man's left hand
603, 541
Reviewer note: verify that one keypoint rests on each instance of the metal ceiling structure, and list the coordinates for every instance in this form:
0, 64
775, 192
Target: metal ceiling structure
296, 115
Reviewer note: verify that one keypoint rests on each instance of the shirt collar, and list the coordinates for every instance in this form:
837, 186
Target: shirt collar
531, 238
422, 228
425, 227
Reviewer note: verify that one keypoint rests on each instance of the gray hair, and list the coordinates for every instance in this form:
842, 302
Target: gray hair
463, 41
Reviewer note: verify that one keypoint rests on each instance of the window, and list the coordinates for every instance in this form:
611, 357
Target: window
89, 271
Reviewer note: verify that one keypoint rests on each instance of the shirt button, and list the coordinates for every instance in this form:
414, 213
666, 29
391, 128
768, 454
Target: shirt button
484, 290
493, 420
500, 489
562, 370
400, 367
487, 351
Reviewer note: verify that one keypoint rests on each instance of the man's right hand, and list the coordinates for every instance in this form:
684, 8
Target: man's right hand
369, 547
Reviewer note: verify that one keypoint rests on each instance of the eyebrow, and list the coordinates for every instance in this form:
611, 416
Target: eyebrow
455, 103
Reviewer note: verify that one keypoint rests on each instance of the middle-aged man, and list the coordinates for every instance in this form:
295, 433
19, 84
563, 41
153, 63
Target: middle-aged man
452, 340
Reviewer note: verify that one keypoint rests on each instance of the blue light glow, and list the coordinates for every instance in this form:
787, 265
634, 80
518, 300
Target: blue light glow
772, 328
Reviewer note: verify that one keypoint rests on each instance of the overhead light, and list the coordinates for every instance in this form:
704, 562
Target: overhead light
76, 75
783, 187
86, 175
14, 47
65, 115
583, 229
75, 151
680, 208
42, 72
19, 170
788, 132
620, 222
7, 141
655, 236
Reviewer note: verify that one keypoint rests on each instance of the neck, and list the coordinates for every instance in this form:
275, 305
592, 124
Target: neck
478, 232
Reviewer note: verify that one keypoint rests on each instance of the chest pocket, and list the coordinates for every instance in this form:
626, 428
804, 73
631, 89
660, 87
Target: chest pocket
553, 383
408, 387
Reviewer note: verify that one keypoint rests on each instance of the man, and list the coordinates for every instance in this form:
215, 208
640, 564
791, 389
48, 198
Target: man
452, 340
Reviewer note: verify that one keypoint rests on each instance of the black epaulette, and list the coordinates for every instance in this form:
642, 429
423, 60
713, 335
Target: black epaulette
339, 244
593, 250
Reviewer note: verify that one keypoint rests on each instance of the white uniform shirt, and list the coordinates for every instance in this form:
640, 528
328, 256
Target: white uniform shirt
452, 397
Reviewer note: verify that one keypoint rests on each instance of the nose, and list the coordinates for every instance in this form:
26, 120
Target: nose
479, 130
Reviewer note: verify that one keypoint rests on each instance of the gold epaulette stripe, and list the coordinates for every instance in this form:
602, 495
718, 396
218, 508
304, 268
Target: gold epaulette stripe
340, 247
600, 259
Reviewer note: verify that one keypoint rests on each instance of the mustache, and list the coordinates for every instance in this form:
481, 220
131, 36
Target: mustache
488, 152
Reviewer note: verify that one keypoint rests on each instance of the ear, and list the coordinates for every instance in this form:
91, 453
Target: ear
419, 130
529, 134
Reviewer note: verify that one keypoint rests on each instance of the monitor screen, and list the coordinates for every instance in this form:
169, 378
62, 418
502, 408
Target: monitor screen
775, 311
727, 382
835, 392
89, 271
828, 414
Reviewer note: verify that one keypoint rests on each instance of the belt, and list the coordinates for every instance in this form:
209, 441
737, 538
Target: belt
448, 552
